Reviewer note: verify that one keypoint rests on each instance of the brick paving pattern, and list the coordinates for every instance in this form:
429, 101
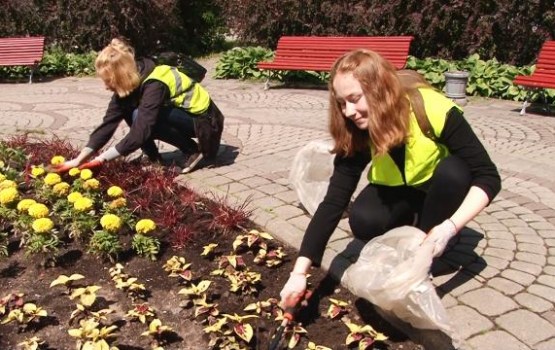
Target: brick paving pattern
497, 283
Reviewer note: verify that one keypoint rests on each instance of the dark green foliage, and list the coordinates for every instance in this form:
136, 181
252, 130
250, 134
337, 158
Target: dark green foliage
151, 26
510, 30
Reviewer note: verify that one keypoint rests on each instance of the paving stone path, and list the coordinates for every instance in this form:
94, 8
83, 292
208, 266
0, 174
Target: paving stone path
497, 283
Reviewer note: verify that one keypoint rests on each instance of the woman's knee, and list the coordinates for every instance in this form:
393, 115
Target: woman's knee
365, 225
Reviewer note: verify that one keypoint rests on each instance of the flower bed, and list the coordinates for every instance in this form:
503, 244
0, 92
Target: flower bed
130, 259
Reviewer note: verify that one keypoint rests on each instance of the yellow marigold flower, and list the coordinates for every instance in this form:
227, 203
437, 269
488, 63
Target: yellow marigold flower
91, 184
83, 204
52, 178
118, 203
42, 225
74, 171
2, 177
38, 210
115, 191
24, 204
2, 164
7, 184
110, 222
8, 195
73, 196
37, 171
61, 189
86, 174
144, 226
57, 160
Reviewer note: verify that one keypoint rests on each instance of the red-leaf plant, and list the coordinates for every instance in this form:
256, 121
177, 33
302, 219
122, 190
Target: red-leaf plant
228, 217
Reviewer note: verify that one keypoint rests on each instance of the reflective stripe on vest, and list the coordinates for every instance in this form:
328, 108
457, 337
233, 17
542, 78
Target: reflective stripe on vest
422, 154
184, 93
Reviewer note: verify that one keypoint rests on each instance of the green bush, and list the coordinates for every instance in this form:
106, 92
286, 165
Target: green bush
240, 63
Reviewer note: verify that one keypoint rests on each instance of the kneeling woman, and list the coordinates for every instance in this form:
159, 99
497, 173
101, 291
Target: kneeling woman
428, 167
158, 103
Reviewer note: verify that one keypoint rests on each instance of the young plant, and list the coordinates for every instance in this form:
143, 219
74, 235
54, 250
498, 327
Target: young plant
4, 241
251, 239
271, 258
128, 284
141, 312
338, 308
105, 244
178, 267
244, 282
242, 329
313, 346
34, 343
209, 250
262, 308
294, 334
10, 302
362, 336
229, 264
28, 314
157, 331
91, 335
87, 295
144, 244
205, 308
66, 281
195, 291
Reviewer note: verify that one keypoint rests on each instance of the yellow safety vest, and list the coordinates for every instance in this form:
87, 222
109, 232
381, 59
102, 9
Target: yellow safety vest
422, 154
184, 92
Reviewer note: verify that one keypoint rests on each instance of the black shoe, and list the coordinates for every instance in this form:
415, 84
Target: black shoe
191, 162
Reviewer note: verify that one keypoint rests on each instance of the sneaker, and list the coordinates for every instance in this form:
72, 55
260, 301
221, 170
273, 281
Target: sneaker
191, 162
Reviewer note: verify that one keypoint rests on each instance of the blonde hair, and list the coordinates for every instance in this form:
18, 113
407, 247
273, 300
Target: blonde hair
116, 65
386, 93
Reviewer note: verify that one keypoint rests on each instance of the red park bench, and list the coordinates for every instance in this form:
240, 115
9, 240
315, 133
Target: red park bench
318, 53
544, 74
22, 51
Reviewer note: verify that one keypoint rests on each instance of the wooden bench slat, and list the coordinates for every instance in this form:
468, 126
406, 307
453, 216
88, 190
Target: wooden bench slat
319, 53
22, 51
543, 76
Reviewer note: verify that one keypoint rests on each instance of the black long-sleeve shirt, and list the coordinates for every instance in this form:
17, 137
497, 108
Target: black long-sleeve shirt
457, 136
148, 98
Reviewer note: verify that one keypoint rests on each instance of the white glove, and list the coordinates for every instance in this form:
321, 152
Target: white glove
293, 289
440, 235
73, 163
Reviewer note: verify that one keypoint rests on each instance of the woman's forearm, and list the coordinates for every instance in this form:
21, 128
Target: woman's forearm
474, 202
302, 265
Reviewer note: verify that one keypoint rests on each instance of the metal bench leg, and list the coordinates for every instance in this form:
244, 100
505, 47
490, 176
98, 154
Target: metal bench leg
526, 102
524, 105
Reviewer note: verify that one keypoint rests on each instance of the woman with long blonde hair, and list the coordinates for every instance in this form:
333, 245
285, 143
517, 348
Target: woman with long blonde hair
428, 167
158, 102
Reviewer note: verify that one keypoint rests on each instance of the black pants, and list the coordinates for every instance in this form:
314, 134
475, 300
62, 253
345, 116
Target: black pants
175, 127
380, 208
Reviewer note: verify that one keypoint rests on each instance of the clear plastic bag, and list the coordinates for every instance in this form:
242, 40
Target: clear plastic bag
392, 272
310, 173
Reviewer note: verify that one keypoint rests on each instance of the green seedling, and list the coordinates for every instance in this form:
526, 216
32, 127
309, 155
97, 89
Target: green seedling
34, 343
91, 335
141, 312
338, 308
363, 336
24, 316
178, 267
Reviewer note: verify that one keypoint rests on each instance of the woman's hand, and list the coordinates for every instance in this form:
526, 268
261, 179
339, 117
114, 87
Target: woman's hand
440, 235
294, 289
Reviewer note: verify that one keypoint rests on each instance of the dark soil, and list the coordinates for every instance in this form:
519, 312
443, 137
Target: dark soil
188, 222
20, 273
